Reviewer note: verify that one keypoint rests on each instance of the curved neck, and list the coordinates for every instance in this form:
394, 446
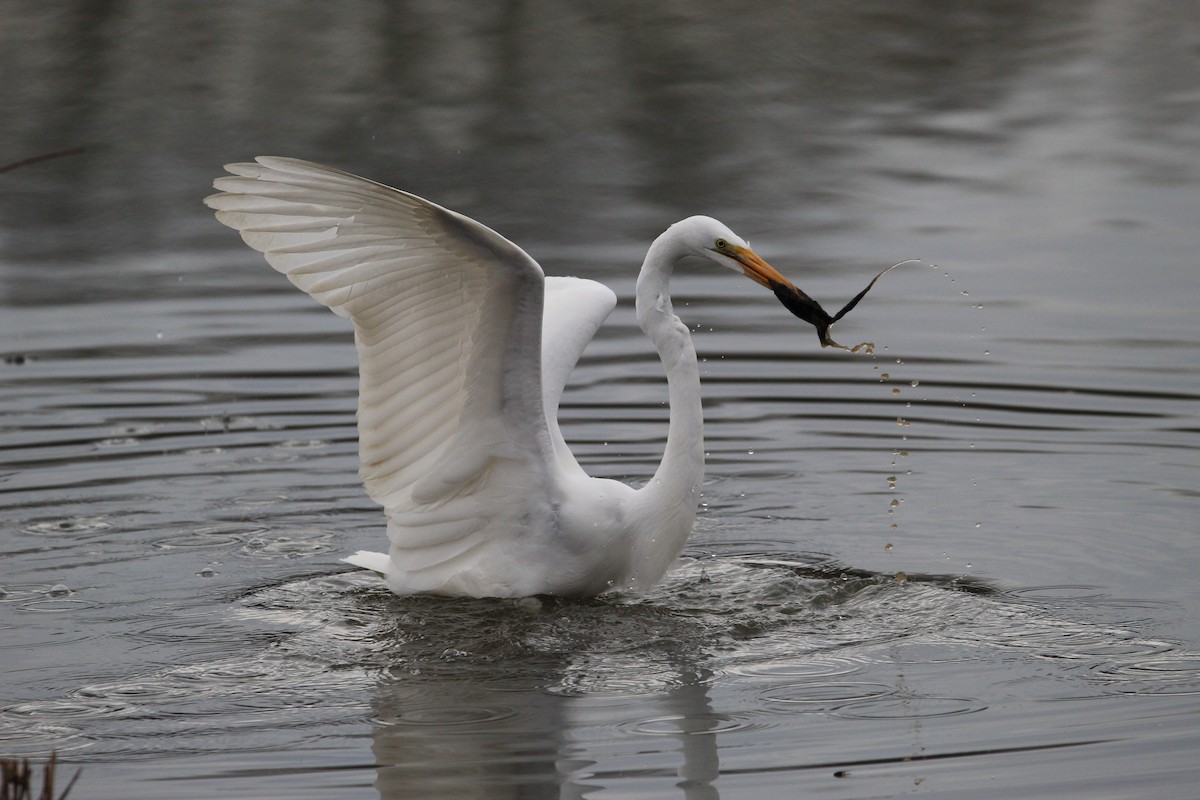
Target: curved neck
671, 497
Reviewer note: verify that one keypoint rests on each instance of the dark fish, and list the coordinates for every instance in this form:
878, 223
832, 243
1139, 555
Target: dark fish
811, 311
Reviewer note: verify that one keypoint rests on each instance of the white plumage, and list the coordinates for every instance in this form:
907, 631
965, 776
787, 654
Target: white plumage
464, 348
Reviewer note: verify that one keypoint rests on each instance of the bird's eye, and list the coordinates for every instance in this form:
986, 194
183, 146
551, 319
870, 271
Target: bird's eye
721, 244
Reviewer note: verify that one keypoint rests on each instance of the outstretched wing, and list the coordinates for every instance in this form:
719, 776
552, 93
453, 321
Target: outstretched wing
448, 321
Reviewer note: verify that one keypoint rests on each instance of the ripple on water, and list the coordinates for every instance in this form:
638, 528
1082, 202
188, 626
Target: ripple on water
695, 725
443, 716
57, 605
302, 444
68, 526
117, 441
733, 618
1046, 595
147, 691
261, 498
45, 598
627, 681
297, 543
927, 652
1042, 636
65, 710
26, 737
221, 674
1166, 674
824, 696
820, 666
211, 536
910, 707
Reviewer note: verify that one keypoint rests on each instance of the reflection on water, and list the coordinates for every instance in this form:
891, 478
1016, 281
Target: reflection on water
965, 563
555, 698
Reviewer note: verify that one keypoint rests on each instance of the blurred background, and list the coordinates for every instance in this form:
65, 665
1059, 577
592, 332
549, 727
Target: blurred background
834, 131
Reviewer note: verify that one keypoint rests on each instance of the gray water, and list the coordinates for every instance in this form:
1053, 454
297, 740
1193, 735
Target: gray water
964, 566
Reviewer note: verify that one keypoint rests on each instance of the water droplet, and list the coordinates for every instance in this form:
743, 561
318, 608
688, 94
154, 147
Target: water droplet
901, 577
895, 392
915, 384
58, 590
884, 377
207, 572
749, 452
888, 547
158, 334
902, 422
894, 504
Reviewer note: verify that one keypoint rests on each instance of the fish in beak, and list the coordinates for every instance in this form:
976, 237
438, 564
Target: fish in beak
794, 299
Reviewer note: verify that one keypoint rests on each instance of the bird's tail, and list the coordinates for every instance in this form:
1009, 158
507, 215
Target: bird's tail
376, 562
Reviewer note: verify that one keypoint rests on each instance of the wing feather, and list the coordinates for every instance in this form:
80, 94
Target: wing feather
575, 310
453, 434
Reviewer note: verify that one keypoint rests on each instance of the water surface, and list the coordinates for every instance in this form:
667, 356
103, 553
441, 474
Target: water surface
962, 566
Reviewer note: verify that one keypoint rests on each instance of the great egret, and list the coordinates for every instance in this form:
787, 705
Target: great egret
464, 347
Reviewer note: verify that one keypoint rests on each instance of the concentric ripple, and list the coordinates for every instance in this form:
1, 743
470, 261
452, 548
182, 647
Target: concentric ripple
433, 716
1166, 674
814, 696
910, 707
696, 725
820, 666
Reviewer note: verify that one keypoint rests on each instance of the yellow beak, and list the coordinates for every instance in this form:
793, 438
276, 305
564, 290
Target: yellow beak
754, 268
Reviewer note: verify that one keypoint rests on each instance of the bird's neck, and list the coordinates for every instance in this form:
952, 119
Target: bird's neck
671, 497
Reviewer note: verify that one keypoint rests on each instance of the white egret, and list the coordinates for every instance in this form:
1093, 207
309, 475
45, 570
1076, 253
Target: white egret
464, 347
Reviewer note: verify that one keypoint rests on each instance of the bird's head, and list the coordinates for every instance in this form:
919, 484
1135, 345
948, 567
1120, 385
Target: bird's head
711, 239
708, 238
